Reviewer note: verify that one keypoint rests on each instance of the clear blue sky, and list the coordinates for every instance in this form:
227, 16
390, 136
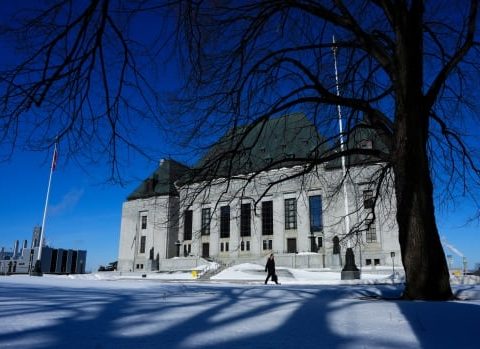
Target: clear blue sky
83, 213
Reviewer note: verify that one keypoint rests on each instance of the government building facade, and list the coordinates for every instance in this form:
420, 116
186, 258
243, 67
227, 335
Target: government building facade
259, 190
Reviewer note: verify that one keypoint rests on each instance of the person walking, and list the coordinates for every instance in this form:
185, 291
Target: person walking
270, 268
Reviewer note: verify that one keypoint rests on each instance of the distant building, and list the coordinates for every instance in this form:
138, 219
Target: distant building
223, 213
53, 260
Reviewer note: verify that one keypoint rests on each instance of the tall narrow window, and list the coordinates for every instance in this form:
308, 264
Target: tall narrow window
144, 222
371, 235
316, 216
187, 225
290, 214
142, 244
267, 218
225, 221
206, 221
267, 244
368, 199
245, 220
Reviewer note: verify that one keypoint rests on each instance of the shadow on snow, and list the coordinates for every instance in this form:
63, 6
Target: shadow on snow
178, 315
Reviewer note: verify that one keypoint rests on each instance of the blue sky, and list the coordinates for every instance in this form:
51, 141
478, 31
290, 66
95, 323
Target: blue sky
83, 213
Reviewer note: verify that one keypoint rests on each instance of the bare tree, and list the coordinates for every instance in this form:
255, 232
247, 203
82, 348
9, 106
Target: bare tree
405, 67
75, 75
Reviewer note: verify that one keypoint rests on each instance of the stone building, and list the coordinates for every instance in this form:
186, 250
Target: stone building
257, 191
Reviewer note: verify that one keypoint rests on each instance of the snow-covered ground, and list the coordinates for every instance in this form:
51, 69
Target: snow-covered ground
311, 309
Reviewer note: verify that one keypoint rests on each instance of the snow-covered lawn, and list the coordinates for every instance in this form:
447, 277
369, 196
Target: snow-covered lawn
105, 311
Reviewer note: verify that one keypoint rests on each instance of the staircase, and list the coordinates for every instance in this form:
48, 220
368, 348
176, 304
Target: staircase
211, 272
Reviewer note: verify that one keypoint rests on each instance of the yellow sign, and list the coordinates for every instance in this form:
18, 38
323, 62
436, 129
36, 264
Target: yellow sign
194, 274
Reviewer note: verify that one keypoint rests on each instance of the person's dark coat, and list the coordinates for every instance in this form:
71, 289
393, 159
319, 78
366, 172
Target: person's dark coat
270, 267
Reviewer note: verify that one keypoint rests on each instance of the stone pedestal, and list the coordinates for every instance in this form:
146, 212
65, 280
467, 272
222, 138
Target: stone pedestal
37, 270
350, 270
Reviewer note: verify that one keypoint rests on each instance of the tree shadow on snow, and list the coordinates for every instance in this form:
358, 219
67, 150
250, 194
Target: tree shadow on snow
200, 316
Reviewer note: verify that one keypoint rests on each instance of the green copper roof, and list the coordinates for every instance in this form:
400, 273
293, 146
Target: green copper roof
266, 145
161, 182
364, 135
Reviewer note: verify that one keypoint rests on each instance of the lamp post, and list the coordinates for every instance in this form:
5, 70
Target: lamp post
392, 254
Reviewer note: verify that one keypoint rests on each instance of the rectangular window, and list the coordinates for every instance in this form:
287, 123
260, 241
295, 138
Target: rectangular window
225, 221
221, 247
187, 225
371, 235
316, 216
291, 245
187, 248
376, 261
206, 250
245, 220
206, 221
320, 241
144, 222
368, 261
248, 245
226, 247
290, 214
368, 199
242, 246
267, 244
267, 218
313, 244
142, 244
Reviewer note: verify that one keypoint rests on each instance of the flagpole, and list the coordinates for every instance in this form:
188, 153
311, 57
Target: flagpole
38, 265
342, 144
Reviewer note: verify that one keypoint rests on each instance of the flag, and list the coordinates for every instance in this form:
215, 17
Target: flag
54, 159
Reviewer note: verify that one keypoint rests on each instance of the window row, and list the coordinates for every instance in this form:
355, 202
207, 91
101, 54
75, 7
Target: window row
376, 261
290, 205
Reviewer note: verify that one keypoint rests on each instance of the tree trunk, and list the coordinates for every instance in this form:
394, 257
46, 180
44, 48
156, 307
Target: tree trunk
426, 270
